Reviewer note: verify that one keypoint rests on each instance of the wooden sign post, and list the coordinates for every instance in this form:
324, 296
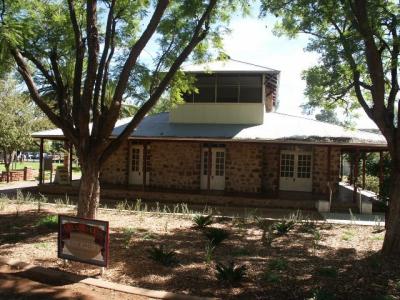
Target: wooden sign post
83, 240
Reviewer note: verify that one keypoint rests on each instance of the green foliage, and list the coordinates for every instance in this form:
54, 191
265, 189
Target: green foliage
16, 120
50, 222
343, 77
209, 252
230, 273
128, 232
161, 255
278, 264
216, 235
283, 227
201, 221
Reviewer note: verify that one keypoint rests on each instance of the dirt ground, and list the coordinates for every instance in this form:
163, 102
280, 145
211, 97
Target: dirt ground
329, 262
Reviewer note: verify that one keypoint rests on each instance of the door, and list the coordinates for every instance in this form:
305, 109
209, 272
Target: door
215, 175
217, 181
296, 171
137, 164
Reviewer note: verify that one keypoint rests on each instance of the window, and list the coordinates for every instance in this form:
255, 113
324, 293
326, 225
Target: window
304, 166
226, 88
219, 163
287, 165
205, 162
135, 159
250, 89
148, 154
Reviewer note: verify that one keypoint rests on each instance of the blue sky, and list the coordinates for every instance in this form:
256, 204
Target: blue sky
252, 40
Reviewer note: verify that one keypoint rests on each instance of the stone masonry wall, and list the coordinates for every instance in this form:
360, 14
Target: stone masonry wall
320, 168
243, 167
175, 165
271, 157
115, 169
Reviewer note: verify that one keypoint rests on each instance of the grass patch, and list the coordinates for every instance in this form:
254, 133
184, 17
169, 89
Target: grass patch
348, 235
42, 245
50, 222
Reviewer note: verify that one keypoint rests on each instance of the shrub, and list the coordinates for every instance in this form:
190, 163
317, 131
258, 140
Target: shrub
209, 253
330, 272
127, 235
283, 227
162, 255
50, 222
201, 221
216, 235
267, 231
308, 226
230, 273
278, 264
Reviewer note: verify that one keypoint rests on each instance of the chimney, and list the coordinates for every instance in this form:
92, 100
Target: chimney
269, 100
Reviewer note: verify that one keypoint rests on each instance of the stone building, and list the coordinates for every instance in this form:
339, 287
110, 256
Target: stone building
227, 139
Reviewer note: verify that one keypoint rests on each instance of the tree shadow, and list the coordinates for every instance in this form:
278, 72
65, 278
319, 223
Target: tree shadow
22, 226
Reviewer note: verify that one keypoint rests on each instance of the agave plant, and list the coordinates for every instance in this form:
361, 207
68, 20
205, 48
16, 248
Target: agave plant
216, 235
230, 273
201, 221
161, 255
283, 227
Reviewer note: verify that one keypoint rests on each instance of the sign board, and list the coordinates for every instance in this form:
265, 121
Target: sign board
62, 176
83, 240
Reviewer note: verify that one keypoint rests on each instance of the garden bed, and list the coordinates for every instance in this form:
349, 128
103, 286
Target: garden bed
317, 260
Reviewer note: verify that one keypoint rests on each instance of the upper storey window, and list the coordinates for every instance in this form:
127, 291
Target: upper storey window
226, 88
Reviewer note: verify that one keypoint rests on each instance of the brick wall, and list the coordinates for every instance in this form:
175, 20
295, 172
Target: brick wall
271, 157
18, 175
249, 167
115, 169
243, 167
175, 165
320, 168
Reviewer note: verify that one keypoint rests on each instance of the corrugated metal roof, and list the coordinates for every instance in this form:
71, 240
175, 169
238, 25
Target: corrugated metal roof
277, 127
225, 66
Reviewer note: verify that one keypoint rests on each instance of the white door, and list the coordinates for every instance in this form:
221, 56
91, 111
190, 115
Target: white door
296, 171
217, 172
137, 165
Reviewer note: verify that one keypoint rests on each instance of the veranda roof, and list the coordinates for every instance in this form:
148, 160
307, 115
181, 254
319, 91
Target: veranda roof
277, 127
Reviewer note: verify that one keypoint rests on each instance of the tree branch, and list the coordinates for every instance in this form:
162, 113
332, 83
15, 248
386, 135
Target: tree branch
24, 71
91, 70
198, 35
110, 32
79, 56
113, 111
46, 74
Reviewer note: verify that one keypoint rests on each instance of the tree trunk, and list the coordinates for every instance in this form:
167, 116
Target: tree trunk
8, 158
391, 244
89, 190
